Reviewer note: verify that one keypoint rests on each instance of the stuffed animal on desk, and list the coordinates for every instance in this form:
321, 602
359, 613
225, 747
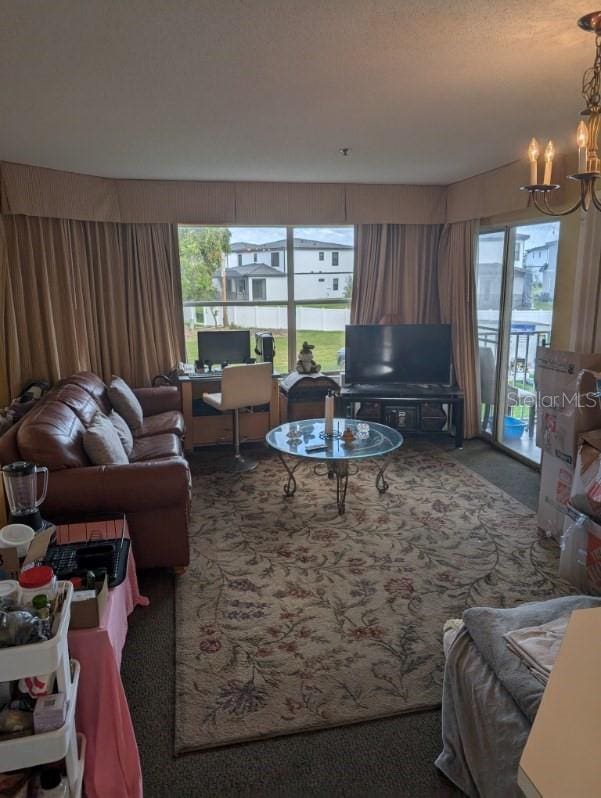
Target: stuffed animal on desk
305, 363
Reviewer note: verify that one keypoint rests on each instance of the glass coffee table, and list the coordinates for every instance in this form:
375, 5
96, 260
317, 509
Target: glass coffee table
295, 443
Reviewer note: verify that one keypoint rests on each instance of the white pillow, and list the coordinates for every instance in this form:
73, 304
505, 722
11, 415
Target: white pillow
123, 431
102, 443
125, 402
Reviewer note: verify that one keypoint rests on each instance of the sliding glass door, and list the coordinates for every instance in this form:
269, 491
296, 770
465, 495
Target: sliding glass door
515, 278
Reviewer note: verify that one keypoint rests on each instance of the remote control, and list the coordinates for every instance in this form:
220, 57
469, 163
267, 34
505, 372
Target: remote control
316, 447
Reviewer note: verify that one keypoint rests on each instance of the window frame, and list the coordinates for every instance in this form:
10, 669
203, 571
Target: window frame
291, 303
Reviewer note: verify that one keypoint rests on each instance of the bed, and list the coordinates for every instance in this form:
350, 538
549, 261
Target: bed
490, 697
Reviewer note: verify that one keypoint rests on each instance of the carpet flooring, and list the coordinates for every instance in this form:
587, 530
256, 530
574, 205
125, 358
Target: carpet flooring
292, 617
387, 757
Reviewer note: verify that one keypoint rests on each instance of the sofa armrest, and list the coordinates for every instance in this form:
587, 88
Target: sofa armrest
119, 488
159, 400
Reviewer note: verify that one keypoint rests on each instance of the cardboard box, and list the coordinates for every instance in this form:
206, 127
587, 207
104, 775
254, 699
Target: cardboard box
88, 614
555, 486
568, 404
585, 494
11, 567
580, 559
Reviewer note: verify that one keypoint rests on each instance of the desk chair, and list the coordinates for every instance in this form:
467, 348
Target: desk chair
242, 386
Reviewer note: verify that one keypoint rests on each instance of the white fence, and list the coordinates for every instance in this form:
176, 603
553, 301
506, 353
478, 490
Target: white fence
270, 318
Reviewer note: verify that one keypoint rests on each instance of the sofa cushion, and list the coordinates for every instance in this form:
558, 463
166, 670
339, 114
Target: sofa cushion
123, 431
171, 421
102, 442
51, 435
124, 401
94, 387
156, 447
79, 400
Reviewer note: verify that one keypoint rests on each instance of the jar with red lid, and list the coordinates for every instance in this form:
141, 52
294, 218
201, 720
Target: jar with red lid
39, 580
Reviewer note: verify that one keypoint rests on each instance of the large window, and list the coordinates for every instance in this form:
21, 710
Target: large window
273, 279
515, 274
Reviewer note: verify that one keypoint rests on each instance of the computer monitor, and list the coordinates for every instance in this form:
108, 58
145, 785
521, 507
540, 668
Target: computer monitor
223, 346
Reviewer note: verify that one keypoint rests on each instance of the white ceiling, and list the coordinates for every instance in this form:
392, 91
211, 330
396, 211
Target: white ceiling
424, 91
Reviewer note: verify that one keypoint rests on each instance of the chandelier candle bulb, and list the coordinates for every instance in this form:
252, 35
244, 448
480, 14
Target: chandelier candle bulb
549, 154
533, 153
582, 141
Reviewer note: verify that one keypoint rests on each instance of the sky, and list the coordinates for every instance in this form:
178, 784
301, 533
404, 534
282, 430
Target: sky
260, 235
539, 233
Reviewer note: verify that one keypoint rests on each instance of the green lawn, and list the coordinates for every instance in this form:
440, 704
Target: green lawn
326, 345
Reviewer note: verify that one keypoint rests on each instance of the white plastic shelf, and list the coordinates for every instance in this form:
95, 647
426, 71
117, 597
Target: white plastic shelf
37, 749
37, 659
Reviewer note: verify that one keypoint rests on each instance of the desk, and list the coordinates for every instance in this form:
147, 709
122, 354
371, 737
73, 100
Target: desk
112, 761
561, 758
404, 396
210, 427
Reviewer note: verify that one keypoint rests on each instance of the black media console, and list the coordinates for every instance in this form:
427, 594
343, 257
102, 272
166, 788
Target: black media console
413, 408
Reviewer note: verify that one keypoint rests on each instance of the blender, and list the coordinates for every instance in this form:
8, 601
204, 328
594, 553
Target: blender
21, 488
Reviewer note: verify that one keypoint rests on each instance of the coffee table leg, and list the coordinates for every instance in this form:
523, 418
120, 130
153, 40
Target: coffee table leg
381, 483
290, 486
341, 471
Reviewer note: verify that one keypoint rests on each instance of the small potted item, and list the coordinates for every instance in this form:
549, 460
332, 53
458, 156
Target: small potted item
348, 436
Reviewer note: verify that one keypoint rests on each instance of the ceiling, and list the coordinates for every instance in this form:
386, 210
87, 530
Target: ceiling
423, 91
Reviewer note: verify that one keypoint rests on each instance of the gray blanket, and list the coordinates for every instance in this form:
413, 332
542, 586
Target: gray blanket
490, 697
487, 627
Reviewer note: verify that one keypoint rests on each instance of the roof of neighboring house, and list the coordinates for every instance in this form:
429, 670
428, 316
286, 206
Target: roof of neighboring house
253, 270
500, 234
546, 245
299, 243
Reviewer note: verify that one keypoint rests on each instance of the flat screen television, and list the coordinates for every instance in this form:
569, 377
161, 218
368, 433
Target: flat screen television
223, 346
399, 353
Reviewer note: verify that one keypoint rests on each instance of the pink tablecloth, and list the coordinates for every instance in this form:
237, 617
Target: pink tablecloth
112, 767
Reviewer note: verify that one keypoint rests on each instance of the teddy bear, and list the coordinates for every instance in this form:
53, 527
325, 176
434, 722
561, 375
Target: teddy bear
305, 363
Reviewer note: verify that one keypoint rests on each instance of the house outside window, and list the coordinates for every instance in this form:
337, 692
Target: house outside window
268, 278
259, 289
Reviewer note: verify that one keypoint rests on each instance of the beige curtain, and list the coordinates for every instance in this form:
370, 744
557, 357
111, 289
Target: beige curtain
421, 274
585, 334
89, 295
457, 298
395, 273
4, 390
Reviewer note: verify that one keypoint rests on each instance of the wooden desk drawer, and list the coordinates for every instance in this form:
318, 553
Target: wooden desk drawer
212, 429
208, 430
253, 426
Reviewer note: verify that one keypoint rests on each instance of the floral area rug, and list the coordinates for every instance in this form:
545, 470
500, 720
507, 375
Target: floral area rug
291, 617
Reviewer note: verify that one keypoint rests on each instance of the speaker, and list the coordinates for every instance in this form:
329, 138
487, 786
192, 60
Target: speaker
265, 347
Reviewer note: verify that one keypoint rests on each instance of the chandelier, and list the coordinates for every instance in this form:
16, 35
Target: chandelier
589, 164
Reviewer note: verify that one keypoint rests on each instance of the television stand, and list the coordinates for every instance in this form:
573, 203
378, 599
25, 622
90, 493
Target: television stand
410, 408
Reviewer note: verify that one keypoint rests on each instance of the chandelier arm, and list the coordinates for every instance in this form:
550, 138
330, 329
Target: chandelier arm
541, 208
596, 200
566, 212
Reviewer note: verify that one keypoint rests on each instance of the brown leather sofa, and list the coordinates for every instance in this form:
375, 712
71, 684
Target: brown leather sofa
153, 489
